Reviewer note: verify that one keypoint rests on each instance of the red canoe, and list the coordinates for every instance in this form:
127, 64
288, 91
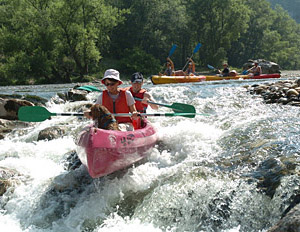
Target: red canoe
266, 76
106, 151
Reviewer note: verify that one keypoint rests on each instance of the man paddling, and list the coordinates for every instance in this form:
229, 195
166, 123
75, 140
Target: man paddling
137, 81
255, 70
225, 71
142, 97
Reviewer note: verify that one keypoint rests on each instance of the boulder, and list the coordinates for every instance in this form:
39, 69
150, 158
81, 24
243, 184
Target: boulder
36, 100
7, 126
291, 222
9, 108
51, 133
283, 92
267, 67
71, 161
8, 178
77, 95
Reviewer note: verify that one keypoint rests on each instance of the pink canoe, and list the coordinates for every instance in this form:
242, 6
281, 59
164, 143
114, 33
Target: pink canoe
106, 151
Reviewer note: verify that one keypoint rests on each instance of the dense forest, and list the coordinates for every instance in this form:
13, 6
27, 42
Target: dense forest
292, 6
60, 41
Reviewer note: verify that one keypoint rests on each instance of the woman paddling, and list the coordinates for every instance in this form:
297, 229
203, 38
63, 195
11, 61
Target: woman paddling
117, 100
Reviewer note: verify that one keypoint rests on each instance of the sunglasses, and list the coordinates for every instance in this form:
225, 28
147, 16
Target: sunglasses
110, 83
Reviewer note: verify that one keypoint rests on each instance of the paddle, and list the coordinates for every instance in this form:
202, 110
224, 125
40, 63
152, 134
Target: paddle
39, 114
195, 50
170, 53
89, 88
245, 72
172, 50
177, 107
211, 67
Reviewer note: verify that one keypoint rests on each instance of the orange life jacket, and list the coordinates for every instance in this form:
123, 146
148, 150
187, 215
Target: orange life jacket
119, 106
140, 107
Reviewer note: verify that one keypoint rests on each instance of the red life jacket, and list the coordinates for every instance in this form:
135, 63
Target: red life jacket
140, 107
119, 106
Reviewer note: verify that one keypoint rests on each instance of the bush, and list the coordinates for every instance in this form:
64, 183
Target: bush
137, 60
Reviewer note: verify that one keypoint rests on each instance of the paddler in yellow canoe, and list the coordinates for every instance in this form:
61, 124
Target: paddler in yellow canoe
170, 70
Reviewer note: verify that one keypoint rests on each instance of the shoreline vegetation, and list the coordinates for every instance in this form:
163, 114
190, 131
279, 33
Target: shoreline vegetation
70, 41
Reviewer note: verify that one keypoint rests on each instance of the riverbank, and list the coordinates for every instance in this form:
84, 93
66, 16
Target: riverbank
284, 92
290, 73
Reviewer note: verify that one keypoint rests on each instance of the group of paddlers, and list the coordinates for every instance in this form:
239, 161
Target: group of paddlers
255, 70
170, 69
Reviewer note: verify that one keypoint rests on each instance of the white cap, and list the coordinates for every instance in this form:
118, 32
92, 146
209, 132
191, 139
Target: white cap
112, 74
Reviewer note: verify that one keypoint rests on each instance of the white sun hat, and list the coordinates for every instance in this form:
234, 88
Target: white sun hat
112, 74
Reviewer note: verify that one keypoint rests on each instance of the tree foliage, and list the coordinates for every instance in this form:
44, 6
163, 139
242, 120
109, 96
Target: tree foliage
292, 6
271, 35
50, 41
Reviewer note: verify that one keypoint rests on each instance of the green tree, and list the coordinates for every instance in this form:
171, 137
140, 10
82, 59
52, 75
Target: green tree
292, 6
52, 39
137, 59
272, 35
153, 26
83, 29
22, 50
217, 24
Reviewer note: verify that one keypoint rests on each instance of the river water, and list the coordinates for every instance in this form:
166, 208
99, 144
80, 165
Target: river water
214, 172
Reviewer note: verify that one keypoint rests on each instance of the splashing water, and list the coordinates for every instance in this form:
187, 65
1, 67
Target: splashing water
205, 174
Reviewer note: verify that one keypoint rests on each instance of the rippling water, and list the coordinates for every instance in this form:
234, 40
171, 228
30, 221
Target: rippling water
235, 167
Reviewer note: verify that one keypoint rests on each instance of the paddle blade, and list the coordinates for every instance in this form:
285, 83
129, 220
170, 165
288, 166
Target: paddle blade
197, 47
211, 67
89, 88
33, 114
172, 50
244, 72
184, 108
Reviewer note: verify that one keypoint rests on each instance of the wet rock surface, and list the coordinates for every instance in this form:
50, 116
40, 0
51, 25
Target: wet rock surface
285, 92
267, 67
9, 107
290, 223
9, 178
50, 133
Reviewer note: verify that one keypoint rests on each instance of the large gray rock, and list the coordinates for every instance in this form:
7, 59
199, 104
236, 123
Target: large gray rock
51, 133
9, 108
8, 126
8, 178
267, 67
286, 92
36, 100
290, 223
77, 95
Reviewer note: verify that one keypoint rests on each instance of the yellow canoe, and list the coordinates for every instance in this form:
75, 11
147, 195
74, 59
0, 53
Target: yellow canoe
219, 78
156, 80
186, 79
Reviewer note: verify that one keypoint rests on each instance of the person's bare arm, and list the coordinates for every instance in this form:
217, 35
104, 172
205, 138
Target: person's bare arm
133, 111
147, 98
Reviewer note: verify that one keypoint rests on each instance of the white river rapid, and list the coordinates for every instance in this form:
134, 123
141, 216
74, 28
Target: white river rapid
202, 176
